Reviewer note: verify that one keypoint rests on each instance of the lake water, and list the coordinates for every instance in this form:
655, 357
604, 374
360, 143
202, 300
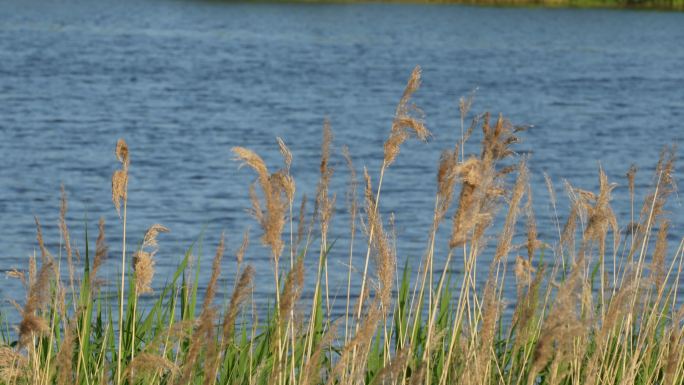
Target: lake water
184, 81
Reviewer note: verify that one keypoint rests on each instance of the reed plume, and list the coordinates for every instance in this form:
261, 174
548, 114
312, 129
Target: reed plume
240, 295
13, 365
101, 248
273, 187
150, 363
33, 324
143, 259
120, 177
45, 255
563, 327
404, 123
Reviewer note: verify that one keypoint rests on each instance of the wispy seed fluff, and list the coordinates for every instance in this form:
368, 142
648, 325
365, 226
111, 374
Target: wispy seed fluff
120, 177
404, 124
275, 187
143, 261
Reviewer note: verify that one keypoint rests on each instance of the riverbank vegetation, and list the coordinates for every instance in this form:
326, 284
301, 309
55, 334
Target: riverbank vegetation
598, 304
672, 5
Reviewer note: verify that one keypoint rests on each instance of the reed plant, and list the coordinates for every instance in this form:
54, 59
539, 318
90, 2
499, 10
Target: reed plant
598, 304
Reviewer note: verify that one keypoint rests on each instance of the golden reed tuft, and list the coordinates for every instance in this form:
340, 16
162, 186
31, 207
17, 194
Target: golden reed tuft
404, 124
143, 259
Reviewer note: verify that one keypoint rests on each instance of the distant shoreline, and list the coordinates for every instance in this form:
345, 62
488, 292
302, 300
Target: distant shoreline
656, 5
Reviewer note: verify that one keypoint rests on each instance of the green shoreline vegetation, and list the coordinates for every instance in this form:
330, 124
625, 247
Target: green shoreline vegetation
595, 305
662, 5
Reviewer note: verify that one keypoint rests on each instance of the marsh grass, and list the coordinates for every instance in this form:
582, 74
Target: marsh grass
597, 305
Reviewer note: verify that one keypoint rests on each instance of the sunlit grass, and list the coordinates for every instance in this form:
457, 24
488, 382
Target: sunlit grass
596, 305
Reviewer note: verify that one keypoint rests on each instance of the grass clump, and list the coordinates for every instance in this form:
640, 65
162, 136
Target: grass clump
597, 305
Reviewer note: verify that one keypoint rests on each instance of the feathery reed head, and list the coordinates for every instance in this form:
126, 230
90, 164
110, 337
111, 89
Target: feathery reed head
446, 180
273, 186
286, 153
240, 295
240, 254
324, 202
215, 272
146, 363
120, 177
404, 124
44, 253
250, 158
100, 247
121, 152
143, 261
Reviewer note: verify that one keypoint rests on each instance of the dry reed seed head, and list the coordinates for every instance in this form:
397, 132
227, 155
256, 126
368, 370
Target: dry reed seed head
490, 318
143, 261
498, 139
12, 364
31, 325
292, 290
119, 189
523, 271
150, 238
240, 295
567, 240
465, 216
202, 334
273, 186
468, 213
368, 187
446, 180
631, 176
143, 265
464, 104
674, 363
550, 189
39, 294
532, 241
289, 187
326, 143
64, 229
65, 358
121, 153
360, 343
392, 145
256, 211
601, 215
506, 237
403, 123
100, 247
148, 363
215, 272
301, 223
20, 275
286, 153
563, 324
527, 306
250, 158
275, 218
240, 254
659, 254
44, 253
385, 258
324, 202
617, 307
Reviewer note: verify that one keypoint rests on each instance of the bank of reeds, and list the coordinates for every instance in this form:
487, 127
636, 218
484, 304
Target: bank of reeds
596, 305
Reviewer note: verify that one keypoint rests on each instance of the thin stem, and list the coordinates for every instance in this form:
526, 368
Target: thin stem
121, 296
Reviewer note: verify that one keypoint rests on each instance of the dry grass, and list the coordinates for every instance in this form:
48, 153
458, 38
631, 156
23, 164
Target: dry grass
596, 305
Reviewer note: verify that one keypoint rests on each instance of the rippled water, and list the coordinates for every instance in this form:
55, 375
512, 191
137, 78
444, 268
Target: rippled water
184, 81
